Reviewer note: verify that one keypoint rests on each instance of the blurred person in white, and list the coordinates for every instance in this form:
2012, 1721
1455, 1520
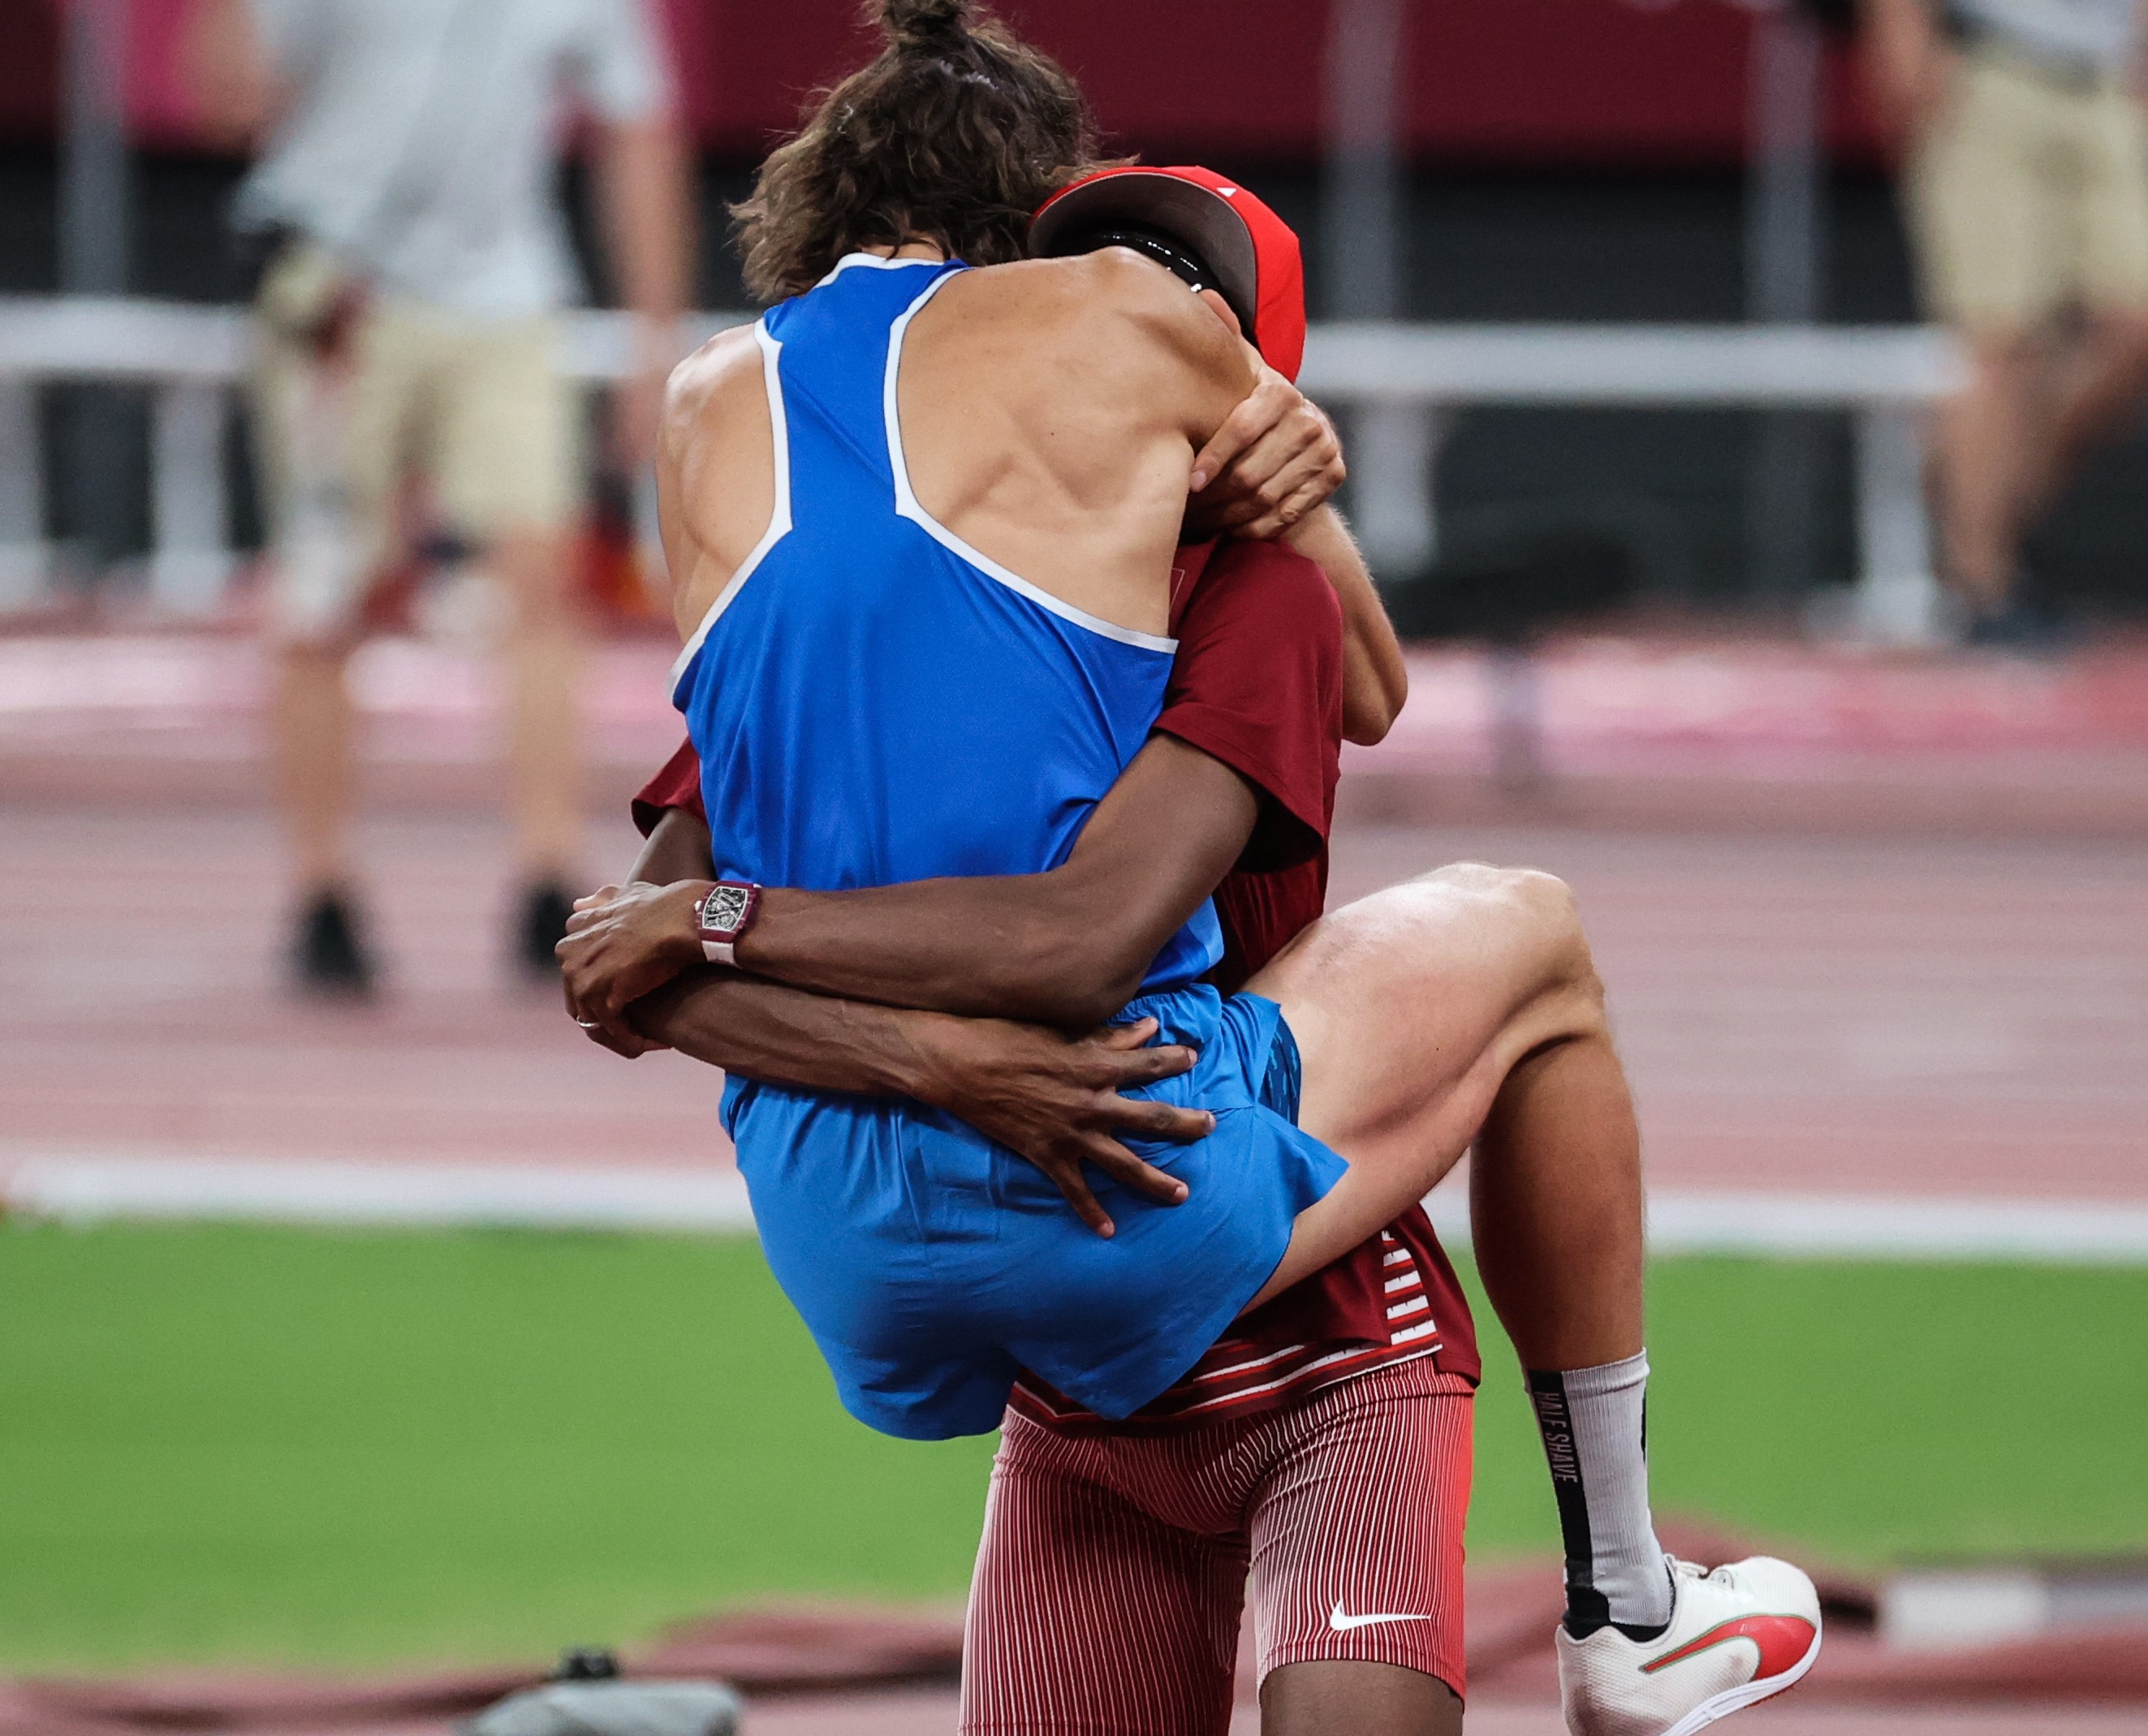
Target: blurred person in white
413, 258
2028, 195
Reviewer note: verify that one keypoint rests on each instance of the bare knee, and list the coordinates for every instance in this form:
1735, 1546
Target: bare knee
1535, 914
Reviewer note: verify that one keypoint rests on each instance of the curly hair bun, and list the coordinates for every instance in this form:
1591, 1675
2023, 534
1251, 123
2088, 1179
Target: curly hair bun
925, 24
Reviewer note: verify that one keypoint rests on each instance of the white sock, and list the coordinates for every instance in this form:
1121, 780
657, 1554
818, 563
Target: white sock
1595, 1428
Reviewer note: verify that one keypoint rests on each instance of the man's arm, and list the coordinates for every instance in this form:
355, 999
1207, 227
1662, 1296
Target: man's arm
225, 70
1375, 680
649, 227
1066, 948
676, 849
1907, 61
1051, 1100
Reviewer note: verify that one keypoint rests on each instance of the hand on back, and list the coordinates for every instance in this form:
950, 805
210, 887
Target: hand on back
1274, 461
1056, 1102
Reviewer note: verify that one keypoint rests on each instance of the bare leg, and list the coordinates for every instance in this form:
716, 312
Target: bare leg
1555, 1206
1412, 1008
2102, 384
313, 723
544, 754
1988, 467
1329, 1697
1465, 1005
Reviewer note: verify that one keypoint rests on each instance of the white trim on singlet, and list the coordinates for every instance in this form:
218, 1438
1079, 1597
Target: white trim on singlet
878, 262
906, 504
779, 516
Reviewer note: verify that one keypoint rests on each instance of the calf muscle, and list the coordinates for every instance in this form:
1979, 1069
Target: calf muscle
1555, 1198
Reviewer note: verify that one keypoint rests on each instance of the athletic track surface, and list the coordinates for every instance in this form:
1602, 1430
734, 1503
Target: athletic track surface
1844, 1015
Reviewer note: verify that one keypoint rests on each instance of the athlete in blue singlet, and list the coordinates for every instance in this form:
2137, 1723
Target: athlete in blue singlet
875, 701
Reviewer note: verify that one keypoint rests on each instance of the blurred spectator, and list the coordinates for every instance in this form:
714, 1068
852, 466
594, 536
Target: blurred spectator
412, 257
2028, 184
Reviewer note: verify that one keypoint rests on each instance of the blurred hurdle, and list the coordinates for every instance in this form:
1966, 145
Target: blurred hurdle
191, 358
1407, 381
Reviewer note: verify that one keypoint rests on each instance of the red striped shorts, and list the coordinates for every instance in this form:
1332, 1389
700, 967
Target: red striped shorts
1115, 1566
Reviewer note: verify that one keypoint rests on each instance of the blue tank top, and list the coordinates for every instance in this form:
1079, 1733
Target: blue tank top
874, 700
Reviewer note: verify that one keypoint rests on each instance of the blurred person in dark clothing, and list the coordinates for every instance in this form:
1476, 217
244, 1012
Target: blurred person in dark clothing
2028, 185
415, 258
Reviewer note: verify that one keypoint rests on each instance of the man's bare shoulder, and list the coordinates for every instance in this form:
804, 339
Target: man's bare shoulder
1113, 290
729, 364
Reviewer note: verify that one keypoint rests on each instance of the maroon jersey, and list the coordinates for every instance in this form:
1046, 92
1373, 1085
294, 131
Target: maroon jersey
1257, 682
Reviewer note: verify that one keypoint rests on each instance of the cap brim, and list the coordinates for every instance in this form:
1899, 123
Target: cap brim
1199, 219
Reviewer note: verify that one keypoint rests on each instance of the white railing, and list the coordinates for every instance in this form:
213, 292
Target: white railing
1406, 381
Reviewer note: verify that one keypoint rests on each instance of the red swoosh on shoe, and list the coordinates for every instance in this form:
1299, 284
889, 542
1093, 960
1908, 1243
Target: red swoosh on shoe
1782, 1639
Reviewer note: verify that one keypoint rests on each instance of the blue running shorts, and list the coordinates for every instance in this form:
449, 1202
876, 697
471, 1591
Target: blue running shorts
932, 1266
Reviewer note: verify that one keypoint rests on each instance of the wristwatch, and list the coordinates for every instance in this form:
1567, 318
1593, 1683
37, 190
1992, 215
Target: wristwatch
726, 914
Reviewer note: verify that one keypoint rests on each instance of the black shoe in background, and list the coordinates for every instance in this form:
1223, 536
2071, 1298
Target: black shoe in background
329, 956
546, 908
2026, 629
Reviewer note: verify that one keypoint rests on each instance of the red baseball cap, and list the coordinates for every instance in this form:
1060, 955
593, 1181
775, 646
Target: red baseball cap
1251, 254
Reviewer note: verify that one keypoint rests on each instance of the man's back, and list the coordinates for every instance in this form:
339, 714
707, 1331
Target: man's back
1049, 412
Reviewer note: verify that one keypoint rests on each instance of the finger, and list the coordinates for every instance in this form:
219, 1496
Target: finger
581, 1004
1278, 450
1311, 484
610, 1018
629, 1044
1262, 524
1145, 1066
603, 894
1238, 442
1273, 479
1122, 1166
1152, 1120
1068, 1179
1135, 1036
1253, 416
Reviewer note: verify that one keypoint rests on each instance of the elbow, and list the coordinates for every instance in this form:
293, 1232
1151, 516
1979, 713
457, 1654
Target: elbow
1088, 1004
1078, 980
1367, 720
1081, 998
1367, 726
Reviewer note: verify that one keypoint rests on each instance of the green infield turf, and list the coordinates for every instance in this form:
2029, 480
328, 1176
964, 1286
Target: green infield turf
235, 1443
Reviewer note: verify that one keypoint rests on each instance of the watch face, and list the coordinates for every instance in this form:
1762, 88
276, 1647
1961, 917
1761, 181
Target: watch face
724, 909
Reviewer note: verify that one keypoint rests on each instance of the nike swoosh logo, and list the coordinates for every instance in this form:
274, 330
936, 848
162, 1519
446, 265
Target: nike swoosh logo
1781, 1641
1342, 1623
